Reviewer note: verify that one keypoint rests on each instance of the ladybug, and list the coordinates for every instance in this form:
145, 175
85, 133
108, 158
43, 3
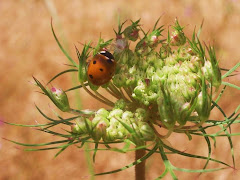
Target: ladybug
101, 68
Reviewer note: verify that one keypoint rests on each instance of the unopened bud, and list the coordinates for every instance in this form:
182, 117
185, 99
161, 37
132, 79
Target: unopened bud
60, 99
146, 131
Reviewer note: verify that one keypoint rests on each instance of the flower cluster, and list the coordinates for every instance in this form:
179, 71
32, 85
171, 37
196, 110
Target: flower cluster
158, 83
171, 80
116, 125
174, 83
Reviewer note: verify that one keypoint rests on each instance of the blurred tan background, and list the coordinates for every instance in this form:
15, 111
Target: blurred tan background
27, 48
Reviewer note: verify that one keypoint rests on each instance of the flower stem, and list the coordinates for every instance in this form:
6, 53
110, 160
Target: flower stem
96, 97
140, 168
105, 99
112, 93
129, 93
114, 89
123, 96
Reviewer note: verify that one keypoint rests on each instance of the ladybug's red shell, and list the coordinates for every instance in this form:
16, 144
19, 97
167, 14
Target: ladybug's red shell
101, 68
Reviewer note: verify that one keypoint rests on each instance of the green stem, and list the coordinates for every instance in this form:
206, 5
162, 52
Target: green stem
89, 161
105, 99
114, 89
129, 93
139, 168
123, 96
96, 97
112, 93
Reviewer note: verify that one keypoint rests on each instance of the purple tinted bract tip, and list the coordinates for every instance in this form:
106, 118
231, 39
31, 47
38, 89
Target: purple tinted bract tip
53, 89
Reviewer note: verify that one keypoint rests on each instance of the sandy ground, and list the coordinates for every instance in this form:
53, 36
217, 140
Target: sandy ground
28, 48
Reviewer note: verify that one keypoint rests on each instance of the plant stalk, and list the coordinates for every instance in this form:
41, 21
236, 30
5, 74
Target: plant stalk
140, 168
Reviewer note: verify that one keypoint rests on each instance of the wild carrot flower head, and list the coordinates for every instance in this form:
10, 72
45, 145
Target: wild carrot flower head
166, 88
156, 83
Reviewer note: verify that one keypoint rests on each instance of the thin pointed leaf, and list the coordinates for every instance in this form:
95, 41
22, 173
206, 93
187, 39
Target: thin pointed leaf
76, 87
132, 164
198, 170
155, 25
209, 149
235, 112
231, 70
219, 96
126, 126
61, 73
220, 109
200, 29
231, 146
231, 85
40, 144
95, 152
23, 125
55, 133
61, 47
64, 147
64, 121
192, 155
163, 174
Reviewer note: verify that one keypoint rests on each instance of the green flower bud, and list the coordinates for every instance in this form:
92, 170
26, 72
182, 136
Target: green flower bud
97, 119
165, 50
102, 113
126, 116
132, 70
142, 47
119, 80
171, 60
203, 106
131, 32
195, 64
166, 109
131, 81
135, 137
140, 89
125, 58
178, 38
207, 70
146, 131
141, 93
212, 73
122, 132
80, 127
120, 104
150, 71
111, 134
119, 46
155, 79
216, 73
100, 125
114, 122
60, 99
141, 114
185, 112
152, 38
115, 113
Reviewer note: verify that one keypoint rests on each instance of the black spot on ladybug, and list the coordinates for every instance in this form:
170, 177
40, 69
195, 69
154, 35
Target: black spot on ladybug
107, 54
101, 69
94, 62
109, 61
91, 76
